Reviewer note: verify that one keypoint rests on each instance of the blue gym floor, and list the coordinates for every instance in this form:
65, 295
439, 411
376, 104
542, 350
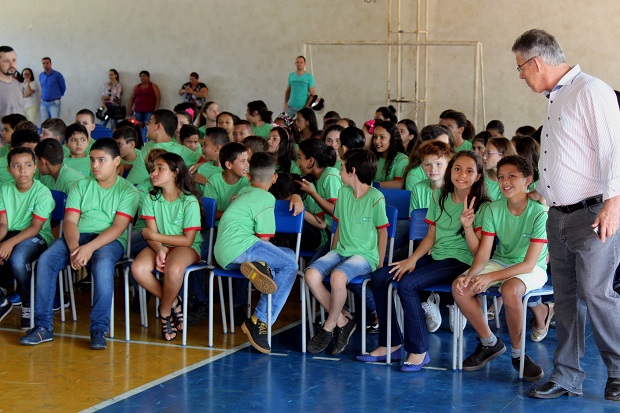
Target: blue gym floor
243, 380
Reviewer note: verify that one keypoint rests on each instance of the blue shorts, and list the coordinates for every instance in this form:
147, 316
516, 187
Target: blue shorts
352, 267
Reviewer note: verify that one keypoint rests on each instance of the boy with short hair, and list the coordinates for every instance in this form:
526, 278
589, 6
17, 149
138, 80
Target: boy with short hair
255, 144
9, 123
86, 118
190, 137
97, 213
160, 130
358, 247
213, 141
54, 174
53, 128
435, 156
126, 139
223, 186
77, 142
241, 129
19, 138
25, 231
243, 242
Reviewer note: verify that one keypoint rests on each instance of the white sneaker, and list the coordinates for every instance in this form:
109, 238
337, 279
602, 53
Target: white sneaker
451, 310
431, 313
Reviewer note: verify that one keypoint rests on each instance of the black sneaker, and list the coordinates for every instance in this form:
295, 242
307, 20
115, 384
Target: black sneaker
196, 313
5, 309
97, 340
25, 323
67, 302
36, 336
256, 331
531, 371
372, 329
483, 354
260, 276
342, 336
240, 314
320, 342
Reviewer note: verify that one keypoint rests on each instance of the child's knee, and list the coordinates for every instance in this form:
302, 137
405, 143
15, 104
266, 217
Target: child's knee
338, 280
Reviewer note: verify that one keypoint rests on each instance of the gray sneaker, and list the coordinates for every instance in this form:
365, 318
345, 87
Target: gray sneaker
432, 313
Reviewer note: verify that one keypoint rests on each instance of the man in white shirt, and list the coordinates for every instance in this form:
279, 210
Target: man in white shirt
580, 179
11, 100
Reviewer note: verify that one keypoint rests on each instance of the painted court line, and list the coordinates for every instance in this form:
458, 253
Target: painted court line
144, 387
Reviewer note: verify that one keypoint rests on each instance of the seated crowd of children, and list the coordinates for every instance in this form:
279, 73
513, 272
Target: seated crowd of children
476, 190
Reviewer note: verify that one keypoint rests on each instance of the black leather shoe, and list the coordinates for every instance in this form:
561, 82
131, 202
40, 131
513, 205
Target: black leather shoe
550, 390
612, 389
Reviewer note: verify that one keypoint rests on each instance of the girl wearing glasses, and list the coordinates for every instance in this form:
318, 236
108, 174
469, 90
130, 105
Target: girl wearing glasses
496, 149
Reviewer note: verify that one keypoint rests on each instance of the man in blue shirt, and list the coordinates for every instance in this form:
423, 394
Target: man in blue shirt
52, 90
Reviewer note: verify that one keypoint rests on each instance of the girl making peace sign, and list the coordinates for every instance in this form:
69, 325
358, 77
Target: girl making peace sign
453, 238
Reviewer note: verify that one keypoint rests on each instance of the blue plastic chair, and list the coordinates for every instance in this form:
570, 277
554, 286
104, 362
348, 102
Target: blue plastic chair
398, 198
286, 223
101, 132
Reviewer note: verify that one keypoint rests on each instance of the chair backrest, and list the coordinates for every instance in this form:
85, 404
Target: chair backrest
210, 208
399, 199
58, 214
417, 227
101, 132
392, 215
287, 223
376, 184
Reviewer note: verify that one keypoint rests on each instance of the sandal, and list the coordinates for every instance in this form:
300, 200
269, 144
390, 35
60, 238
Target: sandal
177, 314
167, 327
538, 334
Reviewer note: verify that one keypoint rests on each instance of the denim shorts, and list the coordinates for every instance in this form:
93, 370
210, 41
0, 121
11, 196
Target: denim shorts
352, 267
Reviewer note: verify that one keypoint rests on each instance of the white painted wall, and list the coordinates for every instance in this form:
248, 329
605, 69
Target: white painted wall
244, 50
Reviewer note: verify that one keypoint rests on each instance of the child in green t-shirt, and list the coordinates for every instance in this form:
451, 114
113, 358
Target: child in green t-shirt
213, 141
223, 186
20, 138
435, 156
390, 152
171, 212
126, 139
97, 213
25, 231
358, 247
77, 139
518, 265
52, 172
243, 242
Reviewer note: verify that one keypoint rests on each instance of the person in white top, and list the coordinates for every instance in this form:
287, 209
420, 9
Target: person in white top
30, 91
580, 179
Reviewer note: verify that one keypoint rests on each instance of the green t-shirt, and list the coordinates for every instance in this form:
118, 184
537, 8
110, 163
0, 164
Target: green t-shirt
466, 146
174, 218
249, 217
396, 171
358, 223
67, 177
448, 242
262, 131
421, 195
21, 208
143, 189
5, 176
492, 188
207, 169
327, 186
81, 165
98, 206
138, 158
222, 192
414, 176
139, 174
4, 150
516, 232
67, 152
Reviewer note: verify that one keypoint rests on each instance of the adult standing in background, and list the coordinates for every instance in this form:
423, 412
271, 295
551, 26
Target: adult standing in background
300, 88
30, 93
52, 90
146, 97
11, 100
194, 91
111, 93
580, 179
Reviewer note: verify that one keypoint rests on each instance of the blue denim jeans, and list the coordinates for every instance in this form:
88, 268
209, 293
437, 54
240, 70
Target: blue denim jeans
50, 109
55, 259
19, 263
284, 269
583, 271
428, 272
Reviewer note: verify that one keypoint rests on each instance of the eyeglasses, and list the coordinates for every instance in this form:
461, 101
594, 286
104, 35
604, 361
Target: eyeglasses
519, 67
488, 153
